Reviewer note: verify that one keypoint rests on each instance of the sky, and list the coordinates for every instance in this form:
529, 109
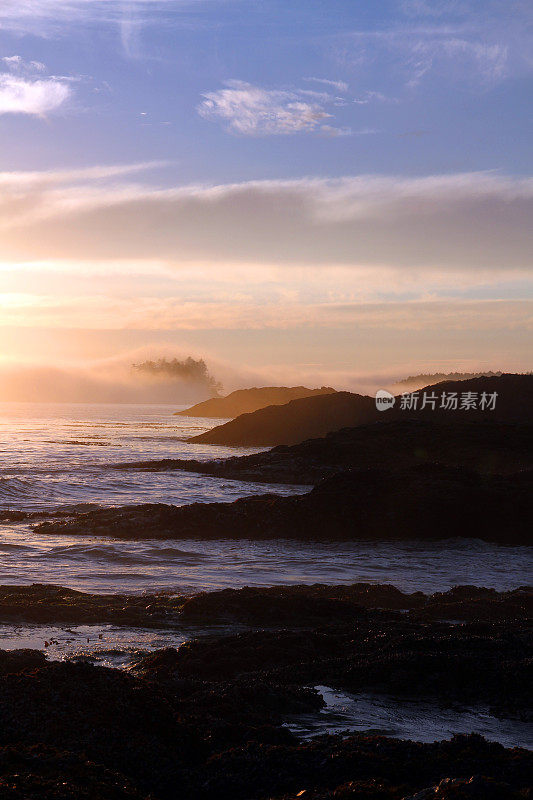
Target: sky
325, 192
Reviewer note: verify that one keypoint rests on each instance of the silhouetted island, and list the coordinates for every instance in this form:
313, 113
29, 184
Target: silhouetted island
245, 401
311, 417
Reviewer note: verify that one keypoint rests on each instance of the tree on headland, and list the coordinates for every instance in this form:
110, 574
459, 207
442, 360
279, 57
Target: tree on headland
190, 370
428, 379
438, 377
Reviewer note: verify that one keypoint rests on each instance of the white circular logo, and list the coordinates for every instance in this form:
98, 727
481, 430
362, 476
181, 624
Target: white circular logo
384, 400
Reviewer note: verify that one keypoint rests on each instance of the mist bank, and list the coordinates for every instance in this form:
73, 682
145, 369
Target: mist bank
109, 384
181, 376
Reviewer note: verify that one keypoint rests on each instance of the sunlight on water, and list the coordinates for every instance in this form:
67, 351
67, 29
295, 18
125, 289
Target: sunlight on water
55, 455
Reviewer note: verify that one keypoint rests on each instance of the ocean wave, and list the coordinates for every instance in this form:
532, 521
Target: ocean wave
80, 443
16, 488
5, 547
115, 555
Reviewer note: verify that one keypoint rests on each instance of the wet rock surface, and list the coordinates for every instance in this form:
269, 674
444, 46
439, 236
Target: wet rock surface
429, 501
206, 720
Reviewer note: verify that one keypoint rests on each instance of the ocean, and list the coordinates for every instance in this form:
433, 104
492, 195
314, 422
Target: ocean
57, 456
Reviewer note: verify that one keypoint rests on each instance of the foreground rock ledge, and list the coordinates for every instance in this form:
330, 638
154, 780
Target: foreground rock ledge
205, 721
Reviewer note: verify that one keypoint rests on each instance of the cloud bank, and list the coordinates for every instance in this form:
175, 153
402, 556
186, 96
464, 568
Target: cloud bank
464, 221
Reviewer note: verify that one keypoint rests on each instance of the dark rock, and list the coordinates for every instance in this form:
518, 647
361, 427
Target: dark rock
46, 603
324, 766
103, 714
316, 416
20, 660
205, 721
38, 772
486, 447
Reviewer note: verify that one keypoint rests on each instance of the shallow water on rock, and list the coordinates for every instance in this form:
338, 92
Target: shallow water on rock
106, 645
419, 720
366, 712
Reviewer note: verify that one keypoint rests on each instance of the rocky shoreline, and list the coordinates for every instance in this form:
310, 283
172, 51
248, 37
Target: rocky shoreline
208, 720
268, 606
485, 447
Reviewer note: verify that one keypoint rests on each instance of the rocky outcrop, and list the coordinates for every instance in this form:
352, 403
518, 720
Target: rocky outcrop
475, 663
316, 416
277, 605
320, 604
486, 447
245, 401
46, 603
425, 503
293, 422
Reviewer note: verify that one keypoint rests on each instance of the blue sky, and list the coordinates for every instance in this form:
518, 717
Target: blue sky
430, 86
229, 165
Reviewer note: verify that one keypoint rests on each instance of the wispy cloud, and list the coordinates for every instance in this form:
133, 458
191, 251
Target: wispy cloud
254, 111
332, 131
465, 42
18, 65
58, 18
468, 221
489, 61
178, 313
454, 52
432, 8
20, 9
341, 86
371, 96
